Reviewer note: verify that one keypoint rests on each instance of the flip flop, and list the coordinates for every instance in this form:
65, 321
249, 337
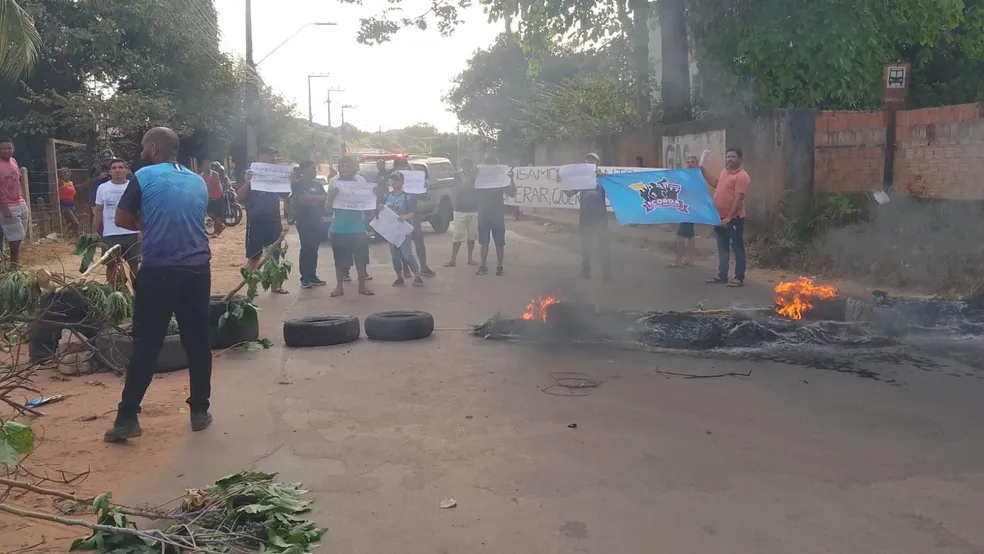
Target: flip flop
280, 291
449, 264
336, 294
367, 292
675, 264
735, 283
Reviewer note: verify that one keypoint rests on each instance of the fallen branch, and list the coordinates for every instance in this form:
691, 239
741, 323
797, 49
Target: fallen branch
98, 263
699, 376
266, 256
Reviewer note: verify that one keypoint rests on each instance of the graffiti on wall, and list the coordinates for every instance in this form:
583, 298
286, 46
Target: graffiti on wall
678, 147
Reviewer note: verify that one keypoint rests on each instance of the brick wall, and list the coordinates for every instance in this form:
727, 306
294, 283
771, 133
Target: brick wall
936, 152
939, 152
849, 151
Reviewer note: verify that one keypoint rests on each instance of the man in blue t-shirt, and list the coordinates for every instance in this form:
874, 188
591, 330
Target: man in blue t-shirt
263, 227
167, 203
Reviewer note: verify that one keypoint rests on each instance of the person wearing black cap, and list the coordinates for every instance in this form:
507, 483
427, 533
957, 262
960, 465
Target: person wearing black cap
263, 214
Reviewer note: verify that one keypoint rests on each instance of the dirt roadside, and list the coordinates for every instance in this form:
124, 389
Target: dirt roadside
70, 432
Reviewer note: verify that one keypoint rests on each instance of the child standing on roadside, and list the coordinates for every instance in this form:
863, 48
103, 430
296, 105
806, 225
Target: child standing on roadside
404, 205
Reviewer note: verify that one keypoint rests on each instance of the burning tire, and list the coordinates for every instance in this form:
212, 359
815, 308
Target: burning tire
399, 326
326, 330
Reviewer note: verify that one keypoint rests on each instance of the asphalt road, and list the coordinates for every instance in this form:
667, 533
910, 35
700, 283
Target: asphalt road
789, 460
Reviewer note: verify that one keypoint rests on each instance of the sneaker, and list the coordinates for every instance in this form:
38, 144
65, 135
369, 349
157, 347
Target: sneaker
418, 282
318, 282
200, 421
499, 270
125, 427
347, 279
482, 270
306, 284
428, 272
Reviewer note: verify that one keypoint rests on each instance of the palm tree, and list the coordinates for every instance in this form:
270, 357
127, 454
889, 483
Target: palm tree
20, 41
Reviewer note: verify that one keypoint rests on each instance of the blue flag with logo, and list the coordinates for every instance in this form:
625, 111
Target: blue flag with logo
660, 196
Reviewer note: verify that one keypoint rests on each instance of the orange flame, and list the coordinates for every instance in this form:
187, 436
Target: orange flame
793, 299
537, 308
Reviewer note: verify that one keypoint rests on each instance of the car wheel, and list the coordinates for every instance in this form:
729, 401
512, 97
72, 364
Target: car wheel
326, 330
441, 221
399, 326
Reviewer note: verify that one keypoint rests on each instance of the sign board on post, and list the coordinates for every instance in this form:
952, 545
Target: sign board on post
895, 85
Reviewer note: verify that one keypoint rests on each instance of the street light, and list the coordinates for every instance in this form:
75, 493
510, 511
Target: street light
297, 32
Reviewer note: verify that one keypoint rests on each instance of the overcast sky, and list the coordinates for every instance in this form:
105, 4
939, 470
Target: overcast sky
393, 85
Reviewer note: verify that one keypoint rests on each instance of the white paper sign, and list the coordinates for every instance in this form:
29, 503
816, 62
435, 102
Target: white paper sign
703, 158
492, 177
270, 177
353, 195
578, 176
414, 181
389, 226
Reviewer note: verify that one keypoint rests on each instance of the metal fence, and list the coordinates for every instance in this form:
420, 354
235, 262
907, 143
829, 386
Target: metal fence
46, 213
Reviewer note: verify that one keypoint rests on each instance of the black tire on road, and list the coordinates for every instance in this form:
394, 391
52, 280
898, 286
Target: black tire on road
114, 349
326, 330
229, 334
398, 325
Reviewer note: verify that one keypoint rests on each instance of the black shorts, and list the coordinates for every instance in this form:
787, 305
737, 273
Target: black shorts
129, 246
686, 230
260, 233
216, 208
347, 248
494, 226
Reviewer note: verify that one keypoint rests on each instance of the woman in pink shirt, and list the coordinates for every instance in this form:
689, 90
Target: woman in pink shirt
13, 210
729, 197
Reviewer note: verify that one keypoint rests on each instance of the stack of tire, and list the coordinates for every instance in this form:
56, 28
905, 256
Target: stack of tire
116, 348
341, 329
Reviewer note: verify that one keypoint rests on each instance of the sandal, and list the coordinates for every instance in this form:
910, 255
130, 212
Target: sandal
336, 294
449, 264
716, 281
366, 292
399, 282
735, 283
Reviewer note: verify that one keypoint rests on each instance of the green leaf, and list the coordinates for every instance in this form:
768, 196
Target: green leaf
9, 455
19, 436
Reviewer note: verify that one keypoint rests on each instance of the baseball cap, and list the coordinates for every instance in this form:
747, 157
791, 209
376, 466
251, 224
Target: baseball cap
106, 154
396, 176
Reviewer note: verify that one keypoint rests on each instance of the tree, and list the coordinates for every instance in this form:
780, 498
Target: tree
20, 42
829, 54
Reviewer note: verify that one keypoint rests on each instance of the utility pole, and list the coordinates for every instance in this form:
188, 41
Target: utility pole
310, 110
328, 102
342, 128
252, 89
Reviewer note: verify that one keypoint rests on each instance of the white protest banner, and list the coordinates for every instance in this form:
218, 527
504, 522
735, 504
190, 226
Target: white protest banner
578, 176
270, 177
492, 177
389, 226
414, 181
353, 195
537, 187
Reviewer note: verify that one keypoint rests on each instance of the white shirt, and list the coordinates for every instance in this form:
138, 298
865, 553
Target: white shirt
108, 196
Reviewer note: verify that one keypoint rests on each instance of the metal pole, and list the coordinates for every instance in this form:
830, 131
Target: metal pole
310, 109
252, 89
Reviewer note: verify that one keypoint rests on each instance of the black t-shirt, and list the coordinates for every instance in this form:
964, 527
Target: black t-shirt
491, 202
466, 200
304, 211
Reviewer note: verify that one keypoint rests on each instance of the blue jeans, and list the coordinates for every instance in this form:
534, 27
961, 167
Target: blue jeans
731, 237
404, 254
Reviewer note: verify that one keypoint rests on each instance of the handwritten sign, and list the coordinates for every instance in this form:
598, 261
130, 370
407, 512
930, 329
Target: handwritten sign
353, 195
537, 187
389, 226
414, 181
578, 176
270, 177
492, 177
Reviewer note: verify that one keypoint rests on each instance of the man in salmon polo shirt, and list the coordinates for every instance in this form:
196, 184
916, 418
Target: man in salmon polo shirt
13, 209
730, 189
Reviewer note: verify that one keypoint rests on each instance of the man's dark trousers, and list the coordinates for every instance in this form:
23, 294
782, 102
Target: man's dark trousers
159, 293
731, 237
594, 239
310, 234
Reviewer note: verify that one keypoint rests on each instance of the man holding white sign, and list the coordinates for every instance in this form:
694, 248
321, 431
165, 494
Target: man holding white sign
349, 196
491, 182
263, 206
593, 218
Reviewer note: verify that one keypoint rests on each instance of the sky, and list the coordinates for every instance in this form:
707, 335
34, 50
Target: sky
391, 86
